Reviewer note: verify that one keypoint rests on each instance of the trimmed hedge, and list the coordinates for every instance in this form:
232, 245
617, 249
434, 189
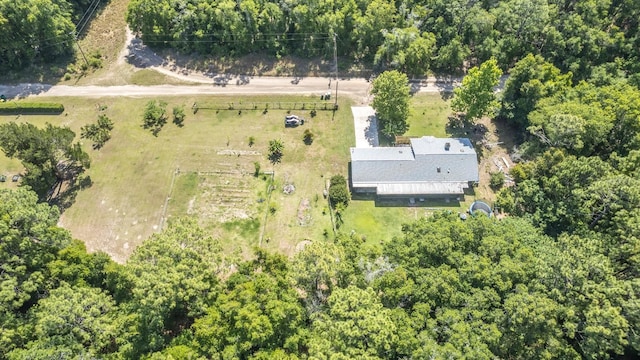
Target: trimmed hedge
26, 108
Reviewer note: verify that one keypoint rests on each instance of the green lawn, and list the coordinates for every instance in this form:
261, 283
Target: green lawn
152, 77
132, 174
429, 115
206, 170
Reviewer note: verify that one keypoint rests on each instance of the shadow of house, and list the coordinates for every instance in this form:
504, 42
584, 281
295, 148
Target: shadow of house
431, 168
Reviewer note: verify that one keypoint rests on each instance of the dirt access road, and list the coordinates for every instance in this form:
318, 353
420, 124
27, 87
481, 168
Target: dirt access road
356, 88
139, 56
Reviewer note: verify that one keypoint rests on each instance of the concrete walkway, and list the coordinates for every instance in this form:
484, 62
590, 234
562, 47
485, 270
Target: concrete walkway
366, 125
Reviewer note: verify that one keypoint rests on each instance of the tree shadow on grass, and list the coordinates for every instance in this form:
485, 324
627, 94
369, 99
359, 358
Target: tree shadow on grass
67, 197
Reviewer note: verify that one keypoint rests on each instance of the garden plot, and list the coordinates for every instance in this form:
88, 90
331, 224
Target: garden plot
222, 195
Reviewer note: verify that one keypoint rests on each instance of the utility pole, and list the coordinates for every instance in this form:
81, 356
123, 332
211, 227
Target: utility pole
335, 61
75, 38
335, 55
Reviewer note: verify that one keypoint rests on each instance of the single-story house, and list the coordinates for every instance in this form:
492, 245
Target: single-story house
431, 167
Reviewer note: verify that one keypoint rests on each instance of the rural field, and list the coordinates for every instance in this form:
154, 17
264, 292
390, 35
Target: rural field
206, 169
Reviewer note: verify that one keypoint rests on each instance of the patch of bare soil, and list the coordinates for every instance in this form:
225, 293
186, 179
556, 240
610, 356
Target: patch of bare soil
494, 145
301, 245
493, 142
304, 213
105, 35
225, 195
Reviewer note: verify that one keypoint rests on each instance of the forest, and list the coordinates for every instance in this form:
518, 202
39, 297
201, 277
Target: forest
414, 36
558, 276
41, 31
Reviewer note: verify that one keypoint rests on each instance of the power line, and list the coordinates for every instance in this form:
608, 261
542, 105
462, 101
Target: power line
85, 13
75, 36
95, 4
231, 41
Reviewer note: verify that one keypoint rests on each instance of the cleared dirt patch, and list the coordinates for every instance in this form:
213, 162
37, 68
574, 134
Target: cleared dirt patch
494, 143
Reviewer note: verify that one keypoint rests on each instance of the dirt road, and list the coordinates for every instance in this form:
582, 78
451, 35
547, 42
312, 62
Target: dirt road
358, 89
139, 56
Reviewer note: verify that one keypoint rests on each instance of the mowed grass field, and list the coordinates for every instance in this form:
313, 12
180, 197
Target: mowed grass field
132, 174
205, 169
429, 115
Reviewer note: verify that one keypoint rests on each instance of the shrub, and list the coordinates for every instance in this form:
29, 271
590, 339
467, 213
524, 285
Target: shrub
252, 141
27, 108
99, 133
155, 116
496, 180
178, 115
308, 137
95, 63
256, 172
276, 147
95, 59
339, 191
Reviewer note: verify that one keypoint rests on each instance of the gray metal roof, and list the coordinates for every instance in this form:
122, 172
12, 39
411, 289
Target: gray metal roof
382, 154
429, 145
427, 161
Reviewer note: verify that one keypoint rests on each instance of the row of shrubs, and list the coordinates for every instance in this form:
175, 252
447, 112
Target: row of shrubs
23, 108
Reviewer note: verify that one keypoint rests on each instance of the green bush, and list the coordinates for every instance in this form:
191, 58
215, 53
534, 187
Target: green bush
178, 115
99, 133
496, 181
308, 136
155, 116
339, 191
95, 59
24, 108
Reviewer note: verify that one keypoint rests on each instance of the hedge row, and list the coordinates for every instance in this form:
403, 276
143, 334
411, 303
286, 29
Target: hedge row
24, 108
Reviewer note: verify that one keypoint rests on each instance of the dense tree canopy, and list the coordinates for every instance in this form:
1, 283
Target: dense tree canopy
49, 155
72, 322
391, 101
34, 29
445, 288
174, 278
412, 36
530, 80
556, 277
30, 241
475, 96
